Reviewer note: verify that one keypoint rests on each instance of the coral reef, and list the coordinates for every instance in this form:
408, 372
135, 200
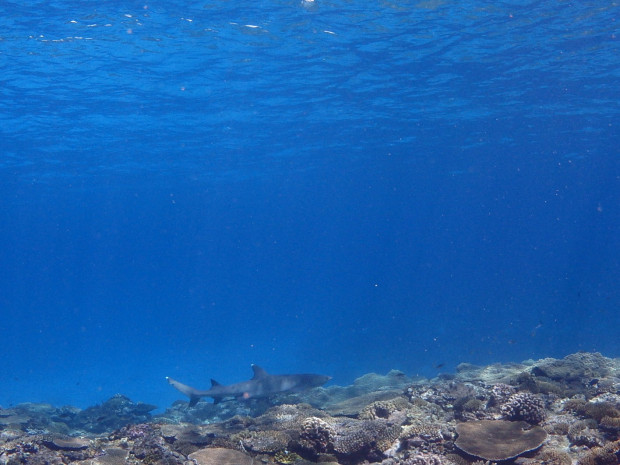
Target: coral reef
498, 440
43, 449
580, 367
500, 393
524, 406
422, 438
112, 414
607, 455
554, 457
584, 433
285, 457
570, 407
383, 408
348, 437
424, 459
611, 424
594, 410
219, 456
269, 441
317, 435
364, 437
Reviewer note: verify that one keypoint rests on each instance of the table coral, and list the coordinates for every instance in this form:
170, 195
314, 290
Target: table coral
498, 440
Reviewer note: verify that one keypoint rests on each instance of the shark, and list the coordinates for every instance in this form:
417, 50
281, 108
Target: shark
262, 384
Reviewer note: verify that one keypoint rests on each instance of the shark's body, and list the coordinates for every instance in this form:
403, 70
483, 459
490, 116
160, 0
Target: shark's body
262, 384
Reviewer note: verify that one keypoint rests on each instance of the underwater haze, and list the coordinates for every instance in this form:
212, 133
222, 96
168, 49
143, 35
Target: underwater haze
329, 186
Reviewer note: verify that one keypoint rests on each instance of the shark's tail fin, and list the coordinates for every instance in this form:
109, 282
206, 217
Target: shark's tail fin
189, 391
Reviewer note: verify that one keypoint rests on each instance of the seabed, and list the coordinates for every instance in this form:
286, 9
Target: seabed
539, 412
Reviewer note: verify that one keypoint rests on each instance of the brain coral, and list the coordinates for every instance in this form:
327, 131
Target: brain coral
498, 440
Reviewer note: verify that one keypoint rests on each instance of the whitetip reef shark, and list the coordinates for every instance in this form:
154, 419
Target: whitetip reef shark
262, 384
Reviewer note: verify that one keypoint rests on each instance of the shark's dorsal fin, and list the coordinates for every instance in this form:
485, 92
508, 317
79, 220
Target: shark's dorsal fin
214, 383
258, 372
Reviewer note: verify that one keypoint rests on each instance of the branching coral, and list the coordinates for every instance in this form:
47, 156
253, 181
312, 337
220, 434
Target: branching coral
524, 406
554, 457
610, 424
317, 434
584, 433
607, 455
500, 393
594, 410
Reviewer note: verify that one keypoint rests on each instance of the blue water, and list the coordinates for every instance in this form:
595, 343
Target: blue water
333, 186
